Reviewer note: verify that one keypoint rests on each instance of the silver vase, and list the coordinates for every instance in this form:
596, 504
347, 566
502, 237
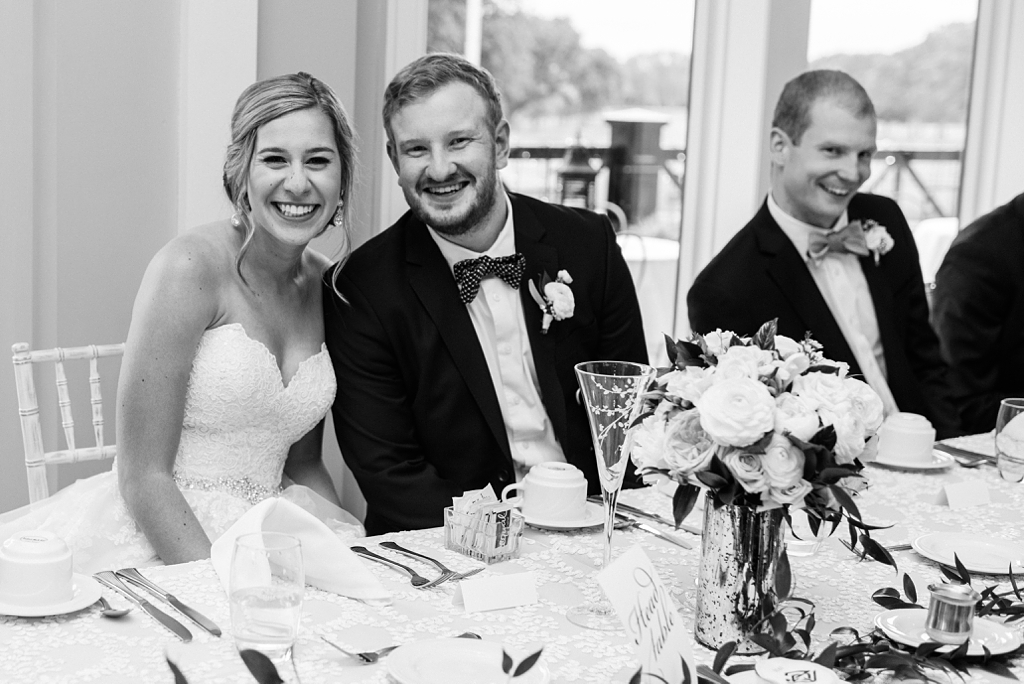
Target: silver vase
740, 551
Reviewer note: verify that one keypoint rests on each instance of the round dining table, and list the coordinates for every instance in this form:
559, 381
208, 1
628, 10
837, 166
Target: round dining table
84, 646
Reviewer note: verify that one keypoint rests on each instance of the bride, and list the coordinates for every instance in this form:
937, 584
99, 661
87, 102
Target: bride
225, 380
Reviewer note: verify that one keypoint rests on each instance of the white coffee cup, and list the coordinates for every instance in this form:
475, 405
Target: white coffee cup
906, 438
35, 570
551, 492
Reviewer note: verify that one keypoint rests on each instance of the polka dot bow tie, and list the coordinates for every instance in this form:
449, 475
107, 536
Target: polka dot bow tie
469, 273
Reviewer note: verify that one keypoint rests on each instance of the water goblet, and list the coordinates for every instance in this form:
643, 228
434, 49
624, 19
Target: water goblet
267, 585
612, 392
1010, 440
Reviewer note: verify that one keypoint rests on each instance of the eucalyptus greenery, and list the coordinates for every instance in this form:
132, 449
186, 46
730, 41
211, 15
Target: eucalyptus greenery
524, 666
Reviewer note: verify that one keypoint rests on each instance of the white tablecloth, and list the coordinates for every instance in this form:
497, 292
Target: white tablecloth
85, 647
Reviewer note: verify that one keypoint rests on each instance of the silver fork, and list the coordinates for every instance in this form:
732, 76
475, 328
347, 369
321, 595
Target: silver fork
417, 580
453, 576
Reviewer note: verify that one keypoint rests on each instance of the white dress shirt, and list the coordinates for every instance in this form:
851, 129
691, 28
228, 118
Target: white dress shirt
845, 289
497, 315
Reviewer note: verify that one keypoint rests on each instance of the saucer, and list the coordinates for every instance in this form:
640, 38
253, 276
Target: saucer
988, 555
940, 461
456, 661
594, 517
907, 626
85, 593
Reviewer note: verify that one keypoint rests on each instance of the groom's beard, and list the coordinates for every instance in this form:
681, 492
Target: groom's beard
458, 220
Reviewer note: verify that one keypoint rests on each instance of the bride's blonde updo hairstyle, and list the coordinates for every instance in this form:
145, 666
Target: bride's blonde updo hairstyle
261, 103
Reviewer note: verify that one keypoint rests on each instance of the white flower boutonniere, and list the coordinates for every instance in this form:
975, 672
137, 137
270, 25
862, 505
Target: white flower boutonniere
878, 240
557, 302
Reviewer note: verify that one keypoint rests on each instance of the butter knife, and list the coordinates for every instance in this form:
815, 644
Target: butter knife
963, 453
671, 538
137, 578
108, 578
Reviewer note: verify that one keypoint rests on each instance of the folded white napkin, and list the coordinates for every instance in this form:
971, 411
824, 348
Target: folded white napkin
329, 564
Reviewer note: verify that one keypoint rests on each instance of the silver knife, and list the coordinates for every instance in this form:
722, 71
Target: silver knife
686, 527
671, 538
137, 578
108, 578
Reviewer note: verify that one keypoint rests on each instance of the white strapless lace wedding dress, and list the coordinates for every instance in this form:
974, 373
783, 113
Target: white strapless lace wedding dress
240, 420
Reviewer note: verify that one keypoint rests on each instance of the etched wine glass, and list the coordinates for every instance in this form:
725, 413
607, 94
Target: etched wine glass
612, 392
1010, 439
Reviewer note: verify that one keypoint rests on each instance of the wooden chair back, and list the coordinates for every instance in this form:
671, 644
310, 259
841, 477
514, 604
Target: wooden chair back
36, 458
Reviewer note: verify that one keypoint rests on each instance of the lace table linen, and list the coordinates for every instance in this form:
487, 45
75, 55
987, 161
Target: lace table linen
85, 647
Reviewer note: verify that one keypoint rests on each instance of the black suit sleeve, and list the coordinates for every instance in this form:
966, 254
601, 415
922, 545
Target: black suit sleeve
374, 421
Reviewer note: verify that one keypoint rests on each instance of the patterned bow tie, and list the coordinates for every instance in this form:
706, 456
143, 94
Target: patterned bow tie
847, 240
469, 273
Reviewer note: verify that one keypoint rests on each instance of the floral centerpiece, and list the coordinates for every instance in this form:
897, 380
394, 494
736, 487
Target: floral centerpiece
763, 424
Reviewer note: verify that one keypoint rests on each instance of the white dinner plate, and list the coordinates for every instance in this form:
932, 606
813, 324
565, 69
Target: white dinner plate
456, 661
594, 517
907, 626
940, 460
85, 590
989, 555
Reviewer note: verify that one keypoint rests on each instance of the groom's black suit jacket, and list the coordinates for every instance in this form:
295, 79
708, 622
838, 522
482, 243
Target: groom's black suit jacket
416, 413
759, 275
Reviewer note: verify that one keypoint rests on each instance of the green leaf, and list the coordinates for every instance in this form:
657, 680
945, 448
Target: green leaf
723, 655
179, 678
949, 574
965, 576
705, 675
845, 501
261, 667
827, 657
877, 551
765, 336
766, 642
506, 662
635, 679
527, 663
927, 648
1016, 589
683, 501
783, 577
909, 589
712, 480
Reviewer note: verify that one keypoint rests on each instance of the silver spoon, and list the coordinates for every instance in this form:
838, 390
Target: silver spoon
109, 611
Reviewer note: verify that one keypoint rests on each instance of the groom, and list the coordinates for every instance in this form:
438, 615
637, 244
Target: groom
828, 260
450, 375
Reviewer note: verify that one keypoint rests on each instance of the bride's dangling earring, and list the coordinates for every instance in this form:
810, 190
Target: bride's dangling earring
235, 221
339, 215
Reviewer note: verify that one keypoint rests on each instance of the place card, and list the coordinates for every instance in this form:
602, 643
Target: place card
967, 494
495, 592
645, 608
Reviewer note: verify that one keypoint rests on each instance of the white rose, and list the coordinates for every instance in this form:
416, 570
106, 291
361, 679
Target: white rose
649, 443
717, 342
737, 412
562, 302
849, 436
793, 494
796, 416
688, 448
689, 383
866, 404
744, 362
782, 463
564, 277
787, 346
746, 468
823, 390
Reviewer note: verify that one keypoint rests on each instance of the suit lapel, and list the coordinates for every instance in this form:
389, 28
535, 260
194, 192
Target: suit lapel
881, 297
540, 258
787, 269
432, 280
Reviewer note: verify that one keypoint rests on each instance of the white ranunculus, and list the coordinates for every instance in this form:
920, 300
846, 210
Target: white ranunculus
689, 383
866, 404
737, 411
849, 436
688, 448
649, 442
744, 362
823, 391
796, 416
562, 302
793, 494
787, 346
793, 366
718, 341
564, 277
746, 468
782, 463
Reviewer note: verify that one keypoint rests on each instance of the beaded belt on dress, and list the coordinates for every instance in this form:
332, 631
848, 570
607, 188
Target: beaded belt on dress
243, 488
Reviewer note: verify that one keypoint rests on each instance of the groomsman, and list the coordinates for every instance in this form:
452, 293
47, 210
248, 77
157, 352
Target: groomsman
450, 375
979, 313
828, 260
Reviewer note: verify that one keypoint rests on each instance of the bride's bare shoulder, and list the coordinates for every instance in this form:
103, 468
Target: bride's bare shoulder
206, 252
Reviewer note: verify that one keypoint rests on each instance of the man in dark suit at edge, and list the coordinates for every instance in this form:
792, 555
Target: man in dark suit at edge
825, 259
447, 385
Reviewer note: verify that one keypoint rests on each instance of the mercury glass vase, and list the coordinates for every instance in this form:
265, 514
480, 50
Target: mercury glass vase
740, 551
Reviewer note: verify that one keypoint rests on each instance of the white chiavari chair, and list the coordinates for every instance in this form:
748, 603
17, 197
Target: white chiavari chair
36, 457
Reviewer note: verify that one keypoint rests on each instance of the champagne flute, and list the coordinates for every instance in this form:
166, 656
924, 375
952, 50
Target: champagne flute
611, 391
1010, 440
267, 586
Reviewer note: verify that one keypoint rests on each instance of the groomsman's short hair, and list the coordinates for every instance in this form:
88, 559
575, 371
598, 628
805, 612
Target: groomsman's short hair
793, 111
420, 78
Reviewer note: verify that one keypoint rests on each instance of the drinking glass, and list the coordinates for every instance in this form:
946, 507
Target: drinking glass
801, 541
1010, 440
611, 391
267, 585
